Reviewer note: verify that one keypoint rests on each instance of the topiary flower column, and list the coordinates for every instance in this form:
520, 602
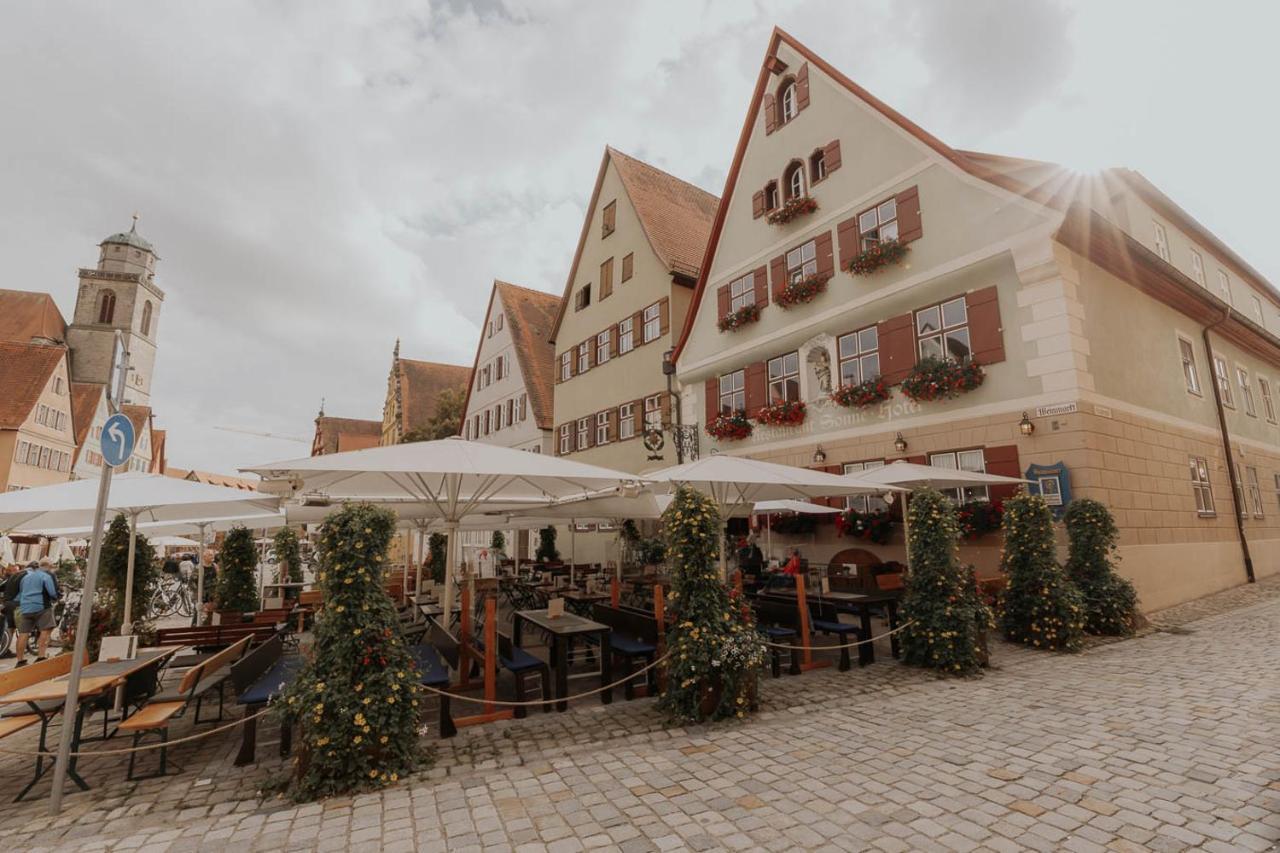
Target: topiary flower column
1110, 601
354, 700
940, 596
237, 587
1042, 608
288, 559
716, 651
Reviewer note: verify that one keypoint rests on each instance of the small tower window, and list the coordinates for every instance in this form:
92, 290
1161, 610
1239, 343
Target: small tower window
107, 306
794, 180
146, 317
771, 195
788, 106
817, 166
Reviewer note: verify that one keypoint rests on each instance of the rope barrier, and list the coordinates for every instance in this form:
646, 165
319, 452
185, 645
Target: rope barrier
144, 747
480, 700
845, 646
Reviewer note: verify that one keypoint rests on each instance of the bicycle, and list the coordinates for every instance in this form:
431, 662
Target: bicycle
172, 596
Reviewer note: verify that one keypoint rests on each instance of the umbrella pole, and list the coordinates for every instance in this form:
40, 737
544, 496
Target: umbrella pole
199, 608
417, 583
451, 558
126, 627
906, 528
573, 547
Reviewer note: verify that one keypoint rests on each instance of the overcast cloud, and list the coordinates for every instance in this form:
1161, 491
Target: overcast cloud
322, 178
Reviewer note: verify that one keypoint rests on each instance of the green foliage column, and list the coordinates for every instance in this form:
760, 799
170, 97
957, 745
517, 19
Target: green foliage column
437, 547
1042, 608
716, 651
355, 701
288, 559
547, 552
1110, 601
940, 598
113, 572
237, 586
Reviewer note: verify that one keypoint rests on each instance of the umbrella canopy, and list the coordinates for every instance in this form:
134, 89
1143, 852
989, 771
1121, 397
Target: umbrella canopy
803, 507
186, 527
174, 542
912, 475
7, 557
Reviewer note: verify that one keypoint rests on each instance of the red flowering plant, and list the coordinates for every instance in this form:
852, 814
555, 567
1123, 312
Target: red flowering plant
866, 393
731, 427
877, 256
735, 320
803, 290
875, 526
792, 208
978, 518
936, 378
786, 413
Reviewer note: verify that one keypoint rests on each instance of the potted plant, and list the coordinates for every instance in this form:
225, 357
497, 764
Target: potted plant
733, 427
734, 320
237, 592
803, 290
786, 413
877, 257
936, 378
875, 526
792, 208
865, 393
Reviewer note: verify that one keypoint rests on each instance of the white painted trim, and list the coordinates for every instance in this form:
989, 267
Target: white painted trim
1179, 336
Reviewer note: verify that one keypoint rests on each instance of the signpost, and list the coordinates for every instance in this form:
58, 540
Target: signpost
112, 447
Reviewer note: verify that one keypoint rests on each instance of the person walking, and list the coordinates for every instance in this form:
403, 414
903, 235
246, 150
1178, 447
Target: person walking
36, 594
11, 590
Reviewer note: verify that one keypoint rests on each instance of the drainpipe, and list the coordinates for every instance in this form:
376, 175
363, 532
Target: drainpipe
669, 368
1237, 491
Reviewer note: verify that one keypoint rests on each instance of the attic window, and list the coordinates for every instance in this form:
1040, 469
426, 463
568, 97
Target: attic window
788, 102
817, 166
771, 195
793, 180
582, 298
610, 219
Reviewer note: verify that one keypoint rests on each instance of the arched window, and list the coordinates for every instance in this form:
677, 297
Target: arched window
146, 317
817, 166
771, 195
793, 180
107, 306
788, 106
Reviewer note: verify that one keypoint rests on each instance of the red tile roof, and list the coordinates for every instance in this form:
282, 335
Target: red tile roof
139, 416
335, 434
531, 314
27, 368
26, 314
420, 385
84, 404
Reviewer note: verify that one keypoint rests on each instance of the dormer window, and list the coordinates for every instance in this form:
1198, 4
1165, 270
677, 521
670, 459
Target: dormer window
609, 219
788, 104
793, 180
771, 195
582, 298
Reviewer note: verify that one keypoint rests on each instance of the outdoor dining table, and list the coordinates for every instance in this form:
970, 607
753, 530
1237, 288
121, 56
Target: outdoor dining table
580, 602
563, 629
860, 604
96, 680
267, 687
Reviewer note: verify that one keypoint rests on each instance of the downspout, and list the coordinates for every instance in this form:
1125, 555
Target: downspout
669, 368
1237, 491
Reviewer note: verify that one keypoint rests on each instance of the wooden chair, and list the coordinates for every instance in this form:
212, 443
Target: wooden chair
15, 718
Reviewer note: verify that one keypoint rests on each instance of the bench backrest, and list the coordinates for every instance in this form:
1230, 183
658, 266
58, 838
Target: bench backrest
627, 622
272, 616
34, 673
445, 644
188, 636
250, 668
889, 581
310, 597
227, 656
776, 611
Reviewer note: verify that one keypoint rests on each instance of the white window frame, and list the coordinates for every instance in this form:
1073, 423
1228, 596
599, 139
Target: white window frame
566, 440
584, 357
878, 223
742, 292
1224, 285
1268, 404
864, 503
653, 412
784, 373
973, 459
602, 428
795, 180
23, 448
1255, 490
802, 261
626, 421
790, 103
1197, 268
771, 195
862, 352
1190, 373
1246, 391
584, 432
1161, 241
945, 331
733, 390
1223, 378
604, 341
817, 166
626, 335
1257, 309
652, 322
566, 365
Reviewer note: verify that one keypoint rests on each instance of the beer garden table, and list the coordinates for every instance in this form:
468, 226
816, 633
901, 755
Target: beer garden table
563, 630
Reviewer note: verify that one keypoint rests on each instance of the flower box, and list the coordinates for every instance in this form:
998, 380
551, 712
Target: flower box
782, 414
804, 290
875, 527
733, 427
735, 320
878, 257
941, 379
978, 518
863, 394
792, 209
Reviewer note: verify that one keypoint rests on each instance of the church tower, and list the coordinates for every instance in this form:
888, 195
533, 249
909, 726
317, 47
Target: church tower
120, 293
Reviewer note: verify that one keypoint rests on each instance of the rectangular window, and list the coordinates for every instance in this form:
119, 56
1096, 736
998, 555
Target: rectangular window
784, 378
582, 298
943, 331
606, 278
962, 460
1224, 286
1189, 365
733, 396
602, 428
1257, 310
626, 336
1224, 381
609, 219
584, 432
1255, 491
487, 421
627, 421
44, 457
1268, 405
1162, 241
511, 411
566, 440
878, 224
742, 292
1246, 392
859, 354
653, 412
499, 322
628, 266
864, 503
602, 347
1244, 508
584, 356
1197, 267
802, 261
57, 384
22, 452
566, 366
497, 417
652, 322
524, 406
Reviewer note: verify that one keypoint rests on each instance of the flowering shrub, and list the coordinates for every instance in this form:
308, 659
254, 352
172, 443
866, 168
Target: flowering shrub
791, 209
787, 413
936, 378
866, 393
735, 320
877, 257
1110, 601
732, 427
875, 526
803, 290
1041, 606
978, 518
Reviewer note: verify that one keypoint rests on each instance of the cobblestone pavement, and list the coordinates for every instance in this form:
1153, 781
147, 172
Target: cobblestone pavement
1165, 742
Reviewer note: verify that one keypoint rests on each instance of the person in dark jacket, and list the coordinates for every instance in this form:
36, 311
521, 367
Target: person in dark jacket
11, 590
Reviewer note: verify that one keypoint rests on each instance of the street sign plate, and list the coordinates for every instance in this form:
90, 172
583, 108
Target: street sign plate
117, 440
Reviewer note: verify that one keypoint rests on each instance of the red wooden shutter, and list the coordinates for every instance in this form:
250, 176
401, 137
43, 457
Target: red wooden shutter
897, 348
985, 333
712, 391
591, 430
559, 427
831, 155
756, 385
760, 281
637, 416
802, 87
627, 260
556, 378
637, 330
606, 279
722, 300
909, 225
822, 247
778, 270
1003, 461
591, 352
833, 502
666, 408
847, 234
664, 315
757, 204
770, 114
613, 340
613, 425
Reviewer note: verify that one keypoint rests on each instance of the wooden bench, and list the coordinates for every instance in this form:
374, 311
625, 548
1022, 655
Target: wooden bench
254, 684
156, 715
210, 638
633, 637
434, 672
19, 717
780, 623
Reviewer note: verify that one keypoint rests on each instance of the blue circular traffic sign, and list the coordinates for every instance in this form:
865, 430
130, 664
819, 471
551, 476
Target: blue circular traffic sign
117, 440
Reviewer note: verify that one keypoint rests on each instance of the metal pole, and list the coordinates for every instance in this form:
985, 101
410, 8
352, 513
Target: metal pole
69, 708
199, 614
126, 624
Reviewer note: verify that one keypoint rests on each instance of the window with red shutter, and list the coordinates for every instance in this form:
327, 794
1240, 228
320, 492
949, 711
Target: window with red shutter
896, 337
606, 279
802, 87
1003, 460
832, 155
985, 331
722, 300
730, 393
770, 114
760, 279
757, 204
778, 275
711, 399
755, 384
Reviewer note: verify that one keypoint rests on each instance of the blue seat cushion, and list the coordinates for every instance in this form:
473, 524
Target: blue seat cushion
774, 631
521, 661
431, 669
833, 627
625, 645
271, 682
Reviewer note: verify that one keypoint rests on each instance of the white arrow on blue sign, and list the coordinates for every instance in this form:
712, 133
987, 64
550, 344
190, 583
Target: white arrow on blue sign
117, 440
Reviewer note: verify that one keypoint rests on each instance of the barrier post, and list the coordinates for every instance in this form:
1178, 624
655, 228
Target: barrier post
615, 593
660, 614
807, 661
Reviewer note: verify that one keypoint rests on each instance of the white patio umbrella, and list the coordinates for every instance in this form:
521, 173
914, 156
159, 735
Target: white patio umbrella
142, 497
454, 477
174, 542
788, 505
7, 557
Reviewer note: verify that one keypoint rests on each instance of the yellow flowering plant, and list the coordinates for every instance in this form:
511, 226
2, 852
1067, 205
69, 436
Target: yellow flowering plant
1041, 607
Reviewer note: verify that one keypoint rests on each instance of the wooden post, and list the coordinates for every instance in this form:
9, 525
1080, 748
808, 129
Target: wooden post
489, 713
660, 614
615, 593
807, 662
737, 582
464, 636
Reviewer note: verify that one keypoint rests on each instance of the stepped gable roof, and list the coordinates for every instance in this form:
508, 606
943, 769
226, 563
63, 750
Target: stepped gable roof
420, 385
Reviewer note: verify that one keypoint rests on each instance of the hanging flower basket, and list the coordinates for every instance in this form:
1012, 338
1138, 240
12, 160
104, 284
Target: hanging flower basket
744, 316
804, 290
863, 394
733, 427
941, 379
978, 518
875, 527
792, 209
877, 257
782, 414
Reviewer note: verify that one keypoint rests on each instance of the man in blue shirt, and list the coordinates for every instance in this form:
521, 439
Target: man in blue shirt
36, 595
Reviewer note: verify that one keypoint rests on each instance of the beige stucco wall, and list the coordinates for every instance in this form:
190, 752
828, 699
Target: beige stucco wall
27, 476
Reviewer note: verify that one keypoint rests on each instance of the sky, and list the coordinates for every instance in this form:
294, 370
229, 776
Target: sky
320, 179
